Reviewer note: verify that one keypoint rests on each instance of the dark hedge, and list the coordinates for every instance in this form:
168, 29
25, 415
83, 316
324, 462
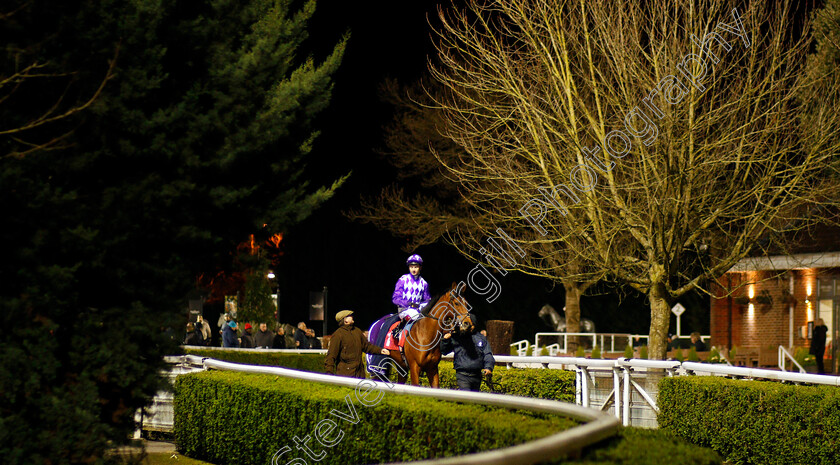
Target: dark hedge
229, 417
754, 422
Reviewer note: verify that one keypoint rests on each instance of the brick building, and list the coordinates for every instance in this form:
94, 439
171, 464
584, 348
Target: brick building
773, 300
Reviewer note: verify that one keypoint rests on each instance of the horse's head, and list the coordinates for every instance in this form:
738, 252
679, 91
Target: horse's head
454, 312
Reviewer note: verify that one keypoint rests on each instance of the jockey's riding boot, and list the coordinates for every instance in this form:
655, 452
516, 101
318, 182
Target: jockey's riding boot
399, 329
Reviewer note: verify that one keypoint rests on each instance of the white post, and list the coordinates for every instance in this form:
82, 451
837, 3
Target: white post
617, 391
790, 314
626, 420
584, 379
678, 310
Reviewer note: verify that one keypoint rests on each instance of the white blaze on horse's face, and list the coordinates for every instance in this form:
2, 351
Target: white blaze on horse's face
466, 323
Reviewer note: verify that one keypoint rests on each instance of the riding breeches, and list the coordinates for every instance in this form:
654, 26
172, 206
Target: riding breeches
408, 312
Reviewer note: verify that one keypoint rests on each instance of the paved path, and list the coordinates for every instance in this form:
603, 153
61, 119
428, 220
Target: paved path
159, 446
152, 447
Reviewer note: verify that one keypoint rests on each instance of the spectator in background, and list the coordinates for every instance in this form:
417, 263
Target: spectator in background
264, 338
300, 337
314, 343
673, 342
229, 336
818, 344
247, 339
279, 339
204, 327
193, 337
698, 343
290, 335
223, 320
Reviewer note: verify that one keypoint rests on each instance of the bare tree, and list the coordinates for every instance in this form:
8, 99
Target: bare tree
656, 142
46, 97
442, 212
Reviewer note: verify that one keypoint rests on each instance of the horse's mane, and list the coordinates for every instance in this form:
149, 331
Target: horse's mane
432, 303
434, 300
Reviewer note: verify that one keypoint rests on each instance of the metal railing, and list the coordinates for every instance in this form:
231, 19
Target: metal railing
626, 396
760, 373
783, 353
606, 341
598, 426
521, 347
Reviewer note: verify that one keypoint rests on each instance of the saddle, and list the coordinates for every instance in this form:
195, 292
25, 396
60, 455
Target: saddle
397, 344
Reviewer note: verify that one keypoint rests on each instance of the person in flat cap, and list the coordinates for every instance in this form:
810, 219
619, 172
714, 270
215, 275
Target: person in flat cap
344, 357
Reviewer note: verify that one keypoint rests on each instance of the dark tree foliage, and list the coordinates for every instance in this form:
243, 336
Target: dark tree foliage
140, 140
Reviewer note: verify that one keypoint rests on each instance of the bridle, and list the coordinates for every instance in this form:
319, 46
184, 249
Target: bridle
454, 293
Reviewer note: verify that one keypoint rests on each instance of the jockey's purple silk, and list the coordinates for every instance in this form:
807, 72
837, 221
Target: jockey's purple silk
410, 290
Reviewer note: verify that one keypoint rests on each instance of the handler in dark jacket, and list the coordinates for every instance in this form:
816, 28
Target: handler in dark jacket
472, 359
346, 347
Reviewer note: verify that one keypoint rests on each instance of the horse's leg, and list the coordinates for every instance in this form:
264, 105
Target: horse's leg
415, 374
401, 374
432, 373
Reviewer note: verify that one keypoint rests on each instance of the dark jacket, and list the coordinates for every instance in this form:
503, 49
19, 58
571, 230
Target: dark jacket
229, 337
314, 343
194, 338
344, 357
279, 342
300, 336
264, 339
247, 340
818, 341
472, 352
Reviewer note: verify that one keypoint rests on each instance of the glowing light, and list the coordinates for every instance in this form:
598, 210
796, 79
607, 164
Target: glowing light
751, 291
276, 239
808, 290
751, 311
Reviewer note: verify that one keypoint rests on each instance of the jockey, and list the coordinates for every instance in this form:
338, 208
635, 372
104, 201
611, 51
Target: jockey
411, 293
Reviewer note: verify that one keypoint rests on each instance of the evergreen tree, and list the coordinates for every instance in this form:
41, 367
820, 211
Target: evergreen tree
174, 129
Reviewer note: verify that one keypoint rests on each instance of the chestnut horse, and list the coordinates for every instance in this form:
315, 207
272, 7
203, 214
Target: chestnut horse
421, 351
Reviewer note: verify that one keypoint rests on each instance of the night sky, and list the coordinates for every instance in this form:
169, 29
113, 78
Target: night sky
358, 263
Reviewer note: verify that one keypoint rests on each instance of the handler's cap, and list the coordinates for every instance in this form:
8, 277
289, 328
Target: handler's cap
339, 317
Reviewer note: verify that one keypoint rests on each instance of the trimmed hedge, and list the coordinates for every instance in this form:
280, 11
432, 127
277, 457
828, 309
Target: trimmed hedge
229, 417
527, 382
754, 422
638, 446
